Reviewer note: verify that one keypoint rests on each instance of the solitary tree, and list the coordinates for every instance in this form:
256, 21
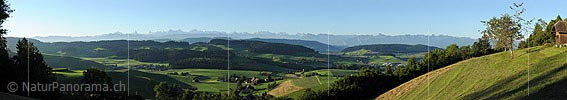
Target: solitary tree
506, 29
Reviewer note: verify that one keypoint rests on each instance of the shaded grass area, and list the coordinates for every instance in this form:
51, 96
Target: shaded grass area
70, 62
142, 83
7, 96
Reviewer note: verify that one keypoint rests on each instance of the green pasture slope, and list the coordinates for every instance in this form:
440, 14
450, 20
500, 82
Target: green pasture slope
495, 76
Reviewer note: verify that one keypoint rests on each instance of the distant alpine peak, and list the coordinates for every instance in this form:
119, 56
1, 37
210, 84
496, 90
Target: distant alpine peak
343, 40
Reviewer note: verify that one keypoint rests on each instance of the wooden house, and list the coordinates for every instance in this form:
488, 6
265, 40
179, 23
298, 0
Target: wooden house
560, 31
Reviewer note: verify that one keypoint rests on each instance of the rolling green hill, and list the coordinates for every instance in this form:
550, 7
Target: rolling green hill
180, 55
392, 48
201, 39
265, 47
317, 46
494, 76
106, 48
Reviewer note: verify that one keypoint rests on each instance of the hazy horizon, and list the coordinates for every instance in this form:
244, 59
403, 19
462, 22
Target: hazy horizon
256, 32
88, 18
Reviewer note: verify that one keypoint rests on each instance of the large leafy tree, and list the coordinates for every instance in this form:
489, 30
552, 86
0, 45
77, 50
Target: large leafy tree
506, 29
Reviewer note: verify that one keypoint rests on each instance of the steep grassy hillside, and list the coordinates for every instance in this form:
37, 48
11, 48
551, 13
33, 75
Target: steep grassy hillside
494, 76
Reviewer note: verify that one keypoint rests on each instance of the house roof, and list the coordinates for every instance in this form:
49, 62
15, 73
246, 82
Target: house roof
560, 27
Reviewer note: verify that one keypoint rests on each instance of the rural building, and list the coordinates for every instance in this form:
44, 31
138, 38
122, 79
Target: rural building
560, 31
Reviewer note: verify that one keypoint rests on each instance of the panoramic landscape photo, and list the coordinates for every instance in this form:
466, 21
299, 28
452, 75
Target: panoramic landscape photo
282, 50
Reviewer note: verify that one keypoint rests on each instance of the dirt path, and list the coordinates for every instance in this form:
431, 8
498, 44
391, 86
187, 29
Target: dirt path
421, 80
318, 80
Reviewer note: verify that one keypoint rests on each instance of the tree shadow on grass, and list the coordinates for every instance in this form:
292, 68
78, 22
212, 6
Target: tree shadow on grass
143, 83
497, 91
555, 91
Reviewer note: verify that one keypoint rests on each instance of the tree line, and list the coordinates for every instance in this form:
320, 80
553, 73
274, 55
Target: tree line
541, 34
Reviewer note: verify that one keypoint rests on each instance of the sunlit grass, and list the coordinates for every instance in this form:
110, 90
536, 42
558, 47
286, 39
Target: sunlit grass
498, 76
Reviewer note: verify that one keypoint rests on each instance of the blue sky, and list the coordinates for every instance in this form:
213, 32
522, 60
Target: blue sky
395, 17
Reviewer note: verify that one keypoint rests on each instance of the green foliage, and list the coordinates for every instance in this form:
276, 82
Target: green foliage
29, 62
166, 92
96, 76
541, 34
482, 46
6, 64
506, 29
359, 86
310, 95
503, 30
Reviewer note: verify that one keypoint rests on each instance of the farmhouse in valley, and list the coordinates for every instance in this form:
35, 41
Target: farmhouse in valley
560, 31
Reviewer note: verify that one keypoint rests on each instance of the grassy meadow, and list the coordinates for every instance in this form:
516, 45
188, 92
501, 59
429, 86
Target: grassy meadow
495, 76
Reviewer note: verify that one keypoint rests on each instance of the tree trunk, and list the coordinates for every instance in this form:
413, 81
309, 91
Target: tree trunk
511, 53
512, 48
